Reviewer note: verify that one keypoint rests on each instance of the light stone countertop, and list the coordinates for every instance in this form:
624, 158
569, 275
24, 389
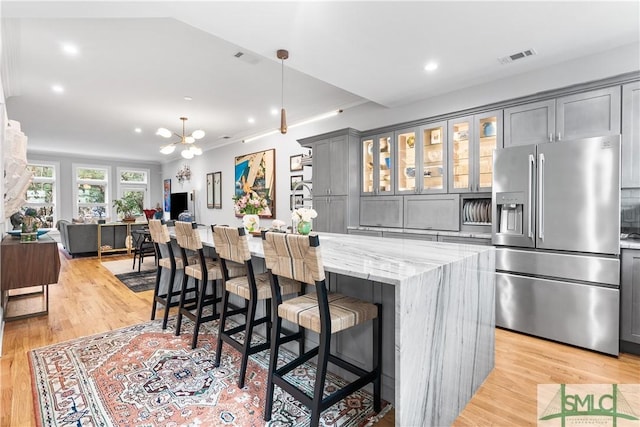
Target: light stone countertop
630, 244
384, 260
473, 234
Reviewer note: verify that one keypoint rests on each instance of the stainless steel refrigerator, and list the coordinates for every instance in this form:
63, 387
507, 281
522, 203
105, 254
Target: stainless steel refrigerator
557, 235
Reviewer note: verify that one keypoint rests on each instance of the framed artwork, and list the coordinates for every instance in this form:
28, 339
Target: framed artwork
295, 163
167, 195
295, 179
295, 200
436, 137
255, 184
210, 191
217, 190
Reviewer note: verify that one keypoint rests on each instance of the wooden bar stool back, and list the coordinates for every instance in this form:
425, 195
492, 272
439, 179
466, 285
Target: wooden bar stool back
232, 247
298, 257
169, 296
203, 270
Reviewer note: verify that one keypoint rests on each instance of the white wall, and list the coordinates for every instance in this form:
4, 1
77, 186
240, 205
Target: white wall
369, 116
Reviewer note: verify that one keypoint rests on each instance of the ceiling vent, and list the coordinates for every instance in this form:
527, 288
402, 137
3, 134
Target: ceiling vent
247, 57
516, 56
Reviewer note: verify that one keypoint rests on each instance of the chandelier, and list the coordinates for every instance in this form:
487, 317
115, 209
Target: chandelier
188, 141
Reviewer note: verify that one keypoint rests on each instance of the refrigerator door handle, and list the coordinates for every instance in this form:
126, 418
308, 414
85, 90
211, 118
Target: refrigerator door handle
541, 196
532, 164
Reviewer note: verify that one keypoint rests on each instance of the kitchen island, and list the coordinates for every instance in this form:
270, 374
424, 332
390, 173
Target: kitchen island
438, 317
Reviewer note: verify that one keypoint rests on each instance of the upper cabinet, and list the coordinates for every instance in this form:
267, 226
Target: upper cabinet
472, 140
630, 135
377, 165
421, 159
335, 182
586, 114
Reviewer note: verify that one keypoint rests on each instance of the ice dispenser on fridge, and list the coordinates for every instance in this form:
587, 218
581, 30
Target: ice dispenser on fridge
509, 210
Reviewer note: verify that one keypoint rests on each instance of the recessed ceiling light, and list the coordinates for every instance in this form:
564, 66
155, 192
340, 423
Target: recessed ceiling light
57, 88
274, 111
251, 120
70, 49
188, 98
137, 130
431, 66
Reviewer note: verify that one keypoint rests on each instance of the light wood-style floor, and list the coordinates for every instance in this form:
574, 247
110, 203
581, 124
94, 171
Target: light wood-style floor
89, 300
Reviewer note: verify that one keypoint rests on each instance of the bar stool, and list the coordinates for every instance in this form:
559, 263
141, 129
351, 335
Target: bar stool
167, 262
232, 246
298, 257
204, 271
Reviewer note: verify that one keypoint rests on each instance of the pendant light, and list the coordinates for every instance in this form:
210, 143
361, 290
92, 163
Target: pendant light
282, 55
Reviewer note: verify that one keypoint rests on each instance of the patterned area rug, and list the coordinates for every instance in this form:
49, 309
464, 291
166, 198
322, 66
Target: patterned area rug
144, 376
138, 282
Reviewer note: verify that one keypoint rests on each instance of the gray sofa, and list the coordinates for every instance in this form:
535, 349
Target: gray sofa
82, 239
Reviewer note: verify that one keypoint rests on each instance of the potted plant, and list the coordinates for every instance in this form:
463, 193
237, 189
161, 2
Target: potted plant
126, 207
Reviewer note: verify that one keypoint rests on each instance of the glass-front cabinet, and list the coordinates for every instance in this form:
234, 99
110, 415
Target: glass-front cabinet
377, 165
421, 159
472, 140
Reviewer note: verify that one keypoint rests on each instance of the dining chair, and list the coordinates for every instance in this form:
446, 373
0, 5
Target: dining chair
298, 257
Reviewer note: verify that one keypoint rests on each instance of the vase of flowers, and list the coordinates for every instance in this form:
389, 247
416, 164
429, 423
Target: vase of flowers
303, 217
250, 205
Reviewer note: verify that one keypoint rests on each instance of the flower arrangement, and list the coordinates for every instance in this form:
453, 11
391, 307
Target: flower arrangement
30, 221
249, 204
304, 214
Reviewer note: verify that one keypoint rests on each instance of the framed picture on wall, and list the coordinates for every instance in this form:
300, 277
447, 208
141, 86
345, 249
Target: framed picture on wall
217, 190
167, 195
210, 191
255, 184
295, 163
295, 201
295, 179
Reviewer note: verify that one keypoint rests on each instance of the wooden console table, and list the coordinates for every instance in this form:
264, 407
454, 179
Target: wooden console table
112, 227
27, 265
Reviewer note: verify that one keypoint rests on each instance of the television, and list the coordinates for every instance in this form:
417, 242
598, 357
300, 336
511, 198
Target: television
179, 204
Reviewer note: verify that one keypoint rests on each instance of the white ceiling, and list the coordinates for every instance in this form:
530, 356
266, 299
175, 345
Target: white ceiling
138, 59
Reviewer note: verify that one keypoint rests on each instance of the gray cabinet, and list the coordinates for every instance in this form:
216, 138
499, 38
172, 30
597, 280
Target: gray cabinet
581, 115
382, 211
358, 232
630, 296
472, 140
434, 212
410, 236
377, 165
335, 179
630, 162
421, 159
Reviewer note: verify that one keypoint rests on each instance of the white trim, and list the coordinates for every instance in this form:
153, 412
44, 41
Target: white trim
56, 185
134, 186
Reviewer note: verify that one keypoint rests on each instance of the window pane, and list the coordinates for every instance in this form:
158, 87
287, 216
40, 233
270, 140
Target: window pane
139, 196
41, 171
40, 192
132, 176
91, 211
91, 193
84, 173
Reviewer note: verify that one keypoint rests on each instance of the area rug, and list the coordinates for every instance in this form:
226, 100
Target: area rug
144, 376
126, 265
138, 282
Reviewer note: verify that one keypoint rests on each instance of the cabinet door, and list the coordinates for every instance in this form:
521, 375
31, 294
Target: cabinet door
381, 211
530, 123
460, 137
631, 135
321, 160
408, 168
433, 155
368, 172
321, 206
339, 166
437, 212
630, 296
489, 137
594, 113
385, 164
337, 214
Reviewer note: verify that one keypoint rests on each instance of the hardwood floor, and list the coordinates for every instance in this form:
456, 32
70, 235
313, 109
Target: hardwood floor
89, 300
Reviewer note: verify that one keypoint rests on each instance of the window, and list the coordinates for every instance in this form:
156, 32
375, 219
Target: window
91, 184
135, 181
42, 192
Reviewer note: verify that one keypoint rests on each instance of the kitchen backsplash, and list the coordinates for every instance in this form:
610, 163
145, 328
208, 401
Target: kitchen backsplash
630, 210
